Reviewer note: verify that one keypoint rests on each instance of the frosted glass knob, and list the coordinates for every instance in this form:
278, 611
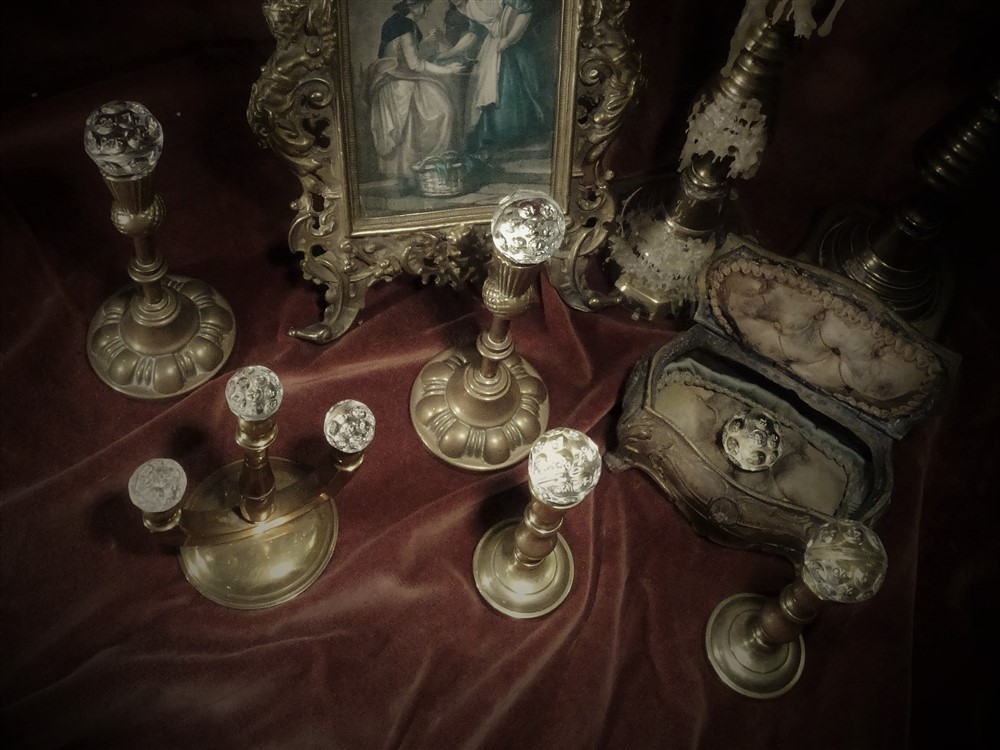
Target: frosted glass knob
349, 426
254, 393
844, 562
563, 467
123, 139
528, 227
157, 486
751, 440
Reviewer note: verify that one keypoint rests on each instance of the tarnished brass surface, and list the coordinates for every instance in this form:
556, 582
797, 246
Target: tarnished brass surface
165, 335
294, 110
267, 563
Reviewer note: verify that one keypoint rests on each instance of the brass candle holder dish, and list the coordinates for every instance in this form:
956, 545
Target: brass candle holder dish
257, 532
524, 568
755, 644
165, 335
481, 408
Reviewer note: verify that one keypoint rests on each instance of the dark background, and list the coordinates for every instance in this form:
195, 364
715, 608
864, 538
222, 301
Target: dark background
102, 642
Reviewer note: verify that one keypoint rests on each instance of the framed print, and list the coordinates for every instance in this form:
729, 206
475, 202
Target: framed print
407, 121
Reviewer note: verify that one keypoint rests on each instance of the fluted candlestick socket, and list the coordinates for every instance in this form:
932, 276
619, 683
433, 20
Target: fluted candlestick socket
525, 568
755, 644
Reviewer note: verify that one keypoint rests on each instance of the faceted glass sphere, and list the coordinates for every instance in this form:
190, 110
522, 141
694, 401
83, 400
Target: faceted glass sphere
254, 393
123, 139
158, 485
528, 227
844, 562
349, 426
563, 467
751, 440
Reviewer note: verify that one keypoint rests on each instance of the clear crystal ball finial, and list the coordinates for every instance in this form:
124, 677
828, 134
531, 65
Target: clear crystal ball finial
349, 426
528, 227
254, 393
563, 467
157, 486
844, 562
123, 139
751, 440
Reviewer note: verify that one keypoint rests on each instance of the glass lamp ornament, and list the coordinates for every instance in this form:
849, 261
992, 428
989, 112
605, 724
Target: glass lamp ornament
259, 531
892, 252
755, 645
482, 407
164, 335
667, 231
524, 568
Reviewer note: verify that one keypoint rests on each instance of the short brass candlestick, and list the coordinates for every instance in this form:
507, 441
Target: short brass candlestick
481, 408
259, 531
165, 335
525, 568
755, 644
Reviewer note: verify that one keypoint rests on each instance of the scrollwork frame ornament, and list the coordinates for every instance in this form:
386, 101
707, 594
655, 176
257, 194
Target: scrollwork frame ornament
296, 108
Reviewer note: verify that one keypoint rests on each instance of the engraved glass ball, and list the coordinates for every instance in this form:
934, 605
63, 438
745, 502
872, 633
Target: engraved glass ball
528, 227
123, 139
844, 562
157, 486
349, 426
563, 467
751, 440
254, 393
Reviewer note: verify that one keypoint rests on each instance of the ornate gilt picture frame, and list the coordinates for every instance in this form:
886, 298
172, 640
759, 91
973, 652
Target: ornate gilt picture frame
421, 204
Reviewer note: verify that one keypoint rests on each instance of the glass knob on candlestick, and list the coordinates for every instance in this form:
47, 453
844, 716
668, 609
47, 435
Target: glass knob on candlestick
259, 531
164, 335
481, 408
755, 644
524, 568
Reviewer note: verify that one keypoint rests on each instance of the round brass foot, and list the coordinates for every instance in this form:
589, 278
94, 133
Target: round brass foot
472, 428
514, 589
152, 351
267, 569
741, 663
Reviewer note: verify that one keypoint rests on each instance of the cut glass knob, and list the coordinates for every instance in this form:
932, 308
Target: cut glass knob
528, 227
123, 139
254, 393
349, 426
751, 440
844, 562
563, 467
157, 486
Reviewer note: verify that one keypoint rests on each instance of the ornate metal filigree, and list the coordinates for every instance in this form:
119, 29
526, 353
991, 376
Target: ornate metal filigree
294, 110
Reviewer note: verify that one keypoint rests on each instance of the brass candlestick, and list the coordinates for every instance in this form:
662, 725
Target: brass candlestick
891, 252
755, 644
165, 335
259, 531
525, 568
481, 408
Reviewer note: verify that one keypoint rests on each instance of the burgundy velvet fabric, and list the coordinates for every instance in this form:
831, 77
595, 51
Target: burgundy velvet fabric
103, 644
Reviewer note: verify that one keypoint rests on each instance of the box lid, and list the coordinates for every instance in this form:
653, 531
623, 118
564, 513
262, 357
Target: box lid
826, 333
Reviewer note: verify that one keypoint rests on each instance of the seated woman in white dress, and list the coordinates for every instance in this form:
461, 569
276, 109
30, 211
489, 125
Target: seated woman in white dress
412, 114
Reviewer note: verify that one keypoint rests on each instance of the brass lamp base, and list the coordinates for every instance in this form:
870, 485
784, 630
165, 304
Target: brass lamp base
266, 568
743, 666
472, 428
515, 589
161, 350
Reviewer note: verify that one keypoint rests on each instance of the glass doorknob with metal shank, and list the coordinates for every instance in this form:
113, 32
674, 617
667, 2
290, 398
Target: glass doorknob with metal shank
257, 532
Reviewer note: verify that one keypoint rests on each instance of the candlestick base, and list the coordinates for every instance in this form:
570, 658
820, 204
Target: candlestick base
746, 667
475, 427
150, 351
516, 590
266, 568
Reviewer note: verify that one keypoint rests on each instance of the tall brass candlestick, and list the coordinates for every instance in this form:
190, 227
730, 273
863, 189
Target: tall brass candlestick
165, 335
482, 408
